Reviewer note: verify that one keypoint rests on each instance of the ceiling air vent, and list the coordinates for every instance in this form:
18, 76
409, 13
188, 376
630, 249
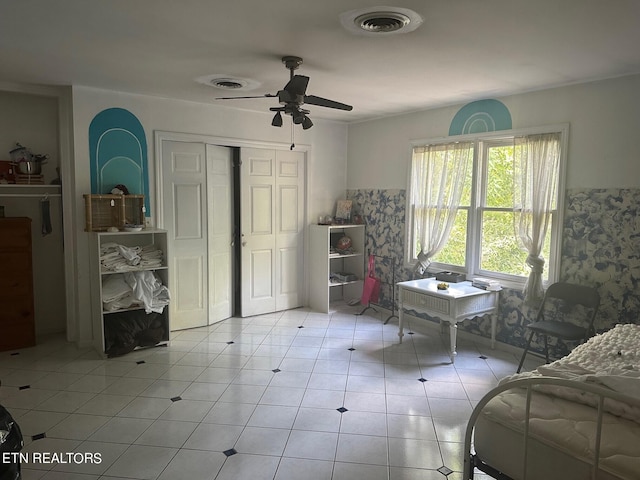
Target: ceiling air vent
380, 21
226, 82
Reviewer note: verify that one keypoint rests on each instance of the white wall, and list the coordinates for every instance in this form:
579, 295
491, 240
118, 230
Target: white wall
603, 151
326, 162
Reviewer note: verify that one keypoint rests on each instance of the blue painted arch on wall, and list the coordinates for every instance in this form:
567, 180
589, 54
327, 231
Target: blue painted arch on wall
118, 153
481, 116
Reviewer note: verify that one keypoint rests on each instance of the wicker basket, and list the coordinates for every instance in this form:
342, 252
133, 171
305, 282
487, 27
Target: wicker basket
104, 211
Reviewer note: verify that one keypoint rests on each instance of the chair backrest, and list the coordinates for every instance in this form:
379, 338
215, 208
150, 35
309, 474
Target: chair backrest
572, 294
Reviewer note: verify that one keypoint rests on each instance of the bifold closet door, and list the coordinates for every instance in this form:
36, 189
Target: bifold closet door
197, 213
272, 230
220, 231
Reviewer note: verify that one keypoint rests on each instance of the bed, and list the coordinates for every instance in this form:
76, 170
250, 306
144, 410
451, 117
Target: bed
575, 418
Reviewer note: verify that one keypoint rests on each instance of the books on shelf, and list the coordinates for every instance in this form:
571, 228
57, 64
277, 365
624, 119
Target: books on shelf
486, 284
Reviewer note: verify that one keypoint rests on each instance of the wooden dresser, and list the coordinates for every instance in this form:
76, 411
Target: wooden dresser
17, 325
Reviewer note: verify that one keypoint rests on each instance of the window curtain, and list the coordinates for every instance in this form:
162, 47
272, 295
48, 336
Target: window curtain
537, 160
437, 181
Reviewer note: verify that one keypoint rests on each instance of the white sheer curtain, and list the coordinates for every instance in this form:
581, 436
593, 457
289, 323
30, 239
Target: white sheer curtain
537, 159
438, 174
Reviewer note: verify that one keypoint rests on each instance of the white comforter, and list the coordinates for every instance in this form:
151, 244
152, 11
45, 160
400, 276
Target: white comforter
611, 360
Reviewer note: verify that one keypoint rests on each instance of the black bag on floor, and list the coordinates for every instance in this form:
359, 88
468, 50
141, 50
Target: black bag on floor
10, 441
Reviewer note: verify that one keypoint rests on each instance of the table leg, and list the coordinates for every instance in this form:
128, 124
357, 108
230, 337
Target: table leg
453, 332
400, 320
494, 320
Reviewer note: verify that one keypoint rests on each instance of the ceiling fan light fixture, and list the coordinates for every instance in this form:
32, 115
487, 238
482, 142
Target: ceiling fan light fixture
380, 21
277, 120
306, 123
297, 116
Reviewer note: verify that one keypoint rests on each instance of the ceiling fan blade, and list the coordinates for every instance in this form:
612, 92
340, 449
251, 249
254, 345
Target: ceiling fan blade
255, 96
297, 85
324, 102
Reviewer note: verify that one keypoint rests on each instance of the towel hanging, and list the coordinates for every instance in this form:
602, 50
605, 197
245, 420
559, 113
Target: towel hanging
45, 212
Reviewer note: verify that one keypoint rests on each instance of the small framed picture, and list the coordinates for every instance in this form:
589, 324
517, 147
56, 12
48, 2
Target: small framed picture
343, 210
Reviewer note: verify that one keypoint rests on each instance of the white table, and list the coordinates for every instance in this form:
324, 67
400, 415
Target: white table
461, 301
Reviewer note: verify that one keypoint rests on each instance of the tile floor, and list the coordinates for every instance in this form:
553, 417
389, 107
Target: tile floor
283, 396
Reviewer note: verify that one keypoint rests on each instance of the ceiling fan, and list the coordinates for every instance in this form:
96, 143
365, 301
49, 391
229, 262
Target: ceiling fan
293, 96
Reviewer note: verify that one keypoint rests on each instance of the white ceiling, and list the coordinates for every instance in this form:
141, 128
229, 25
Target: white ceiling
465, 49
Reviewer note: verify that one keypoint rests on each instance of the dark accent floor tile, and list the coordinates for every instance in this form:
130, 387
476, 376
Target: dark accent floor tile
38, 436
483, 357
422, 380
276, 370
176, 399
24, 387
231, 451
342, 409
445, 470
140, 362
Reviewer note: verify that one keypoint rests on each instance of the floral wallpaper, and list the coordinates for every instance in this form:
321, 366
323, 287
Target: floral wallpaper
384, 216
601, 248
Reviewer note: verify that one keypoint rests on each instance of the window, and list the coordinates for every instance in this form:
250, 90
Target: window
484, 238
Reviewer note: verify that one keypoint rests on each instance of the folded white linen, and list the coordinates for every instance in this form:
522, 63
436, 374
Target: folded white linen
119, 258
121, 303
114, 287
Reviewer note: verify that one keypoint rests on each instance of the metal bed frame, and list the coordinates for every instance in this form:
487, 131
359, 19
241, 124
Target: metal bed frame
471, 460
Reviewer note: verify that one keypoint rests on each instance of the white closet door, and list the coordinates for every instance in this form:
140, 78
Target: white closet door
185, 218
257, 231
272, 215
289, 239
220, 232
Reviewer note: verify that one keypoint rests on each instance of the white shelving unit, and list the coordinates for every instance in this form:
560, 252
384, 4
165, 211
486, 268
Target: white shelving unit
323, 262
148, 236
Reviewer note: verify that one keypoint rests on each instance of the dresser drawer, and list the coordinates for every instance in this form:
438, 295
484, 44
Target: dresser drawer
16, 277
17, 308
17, 335
433, 304
17, 315
15, 233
